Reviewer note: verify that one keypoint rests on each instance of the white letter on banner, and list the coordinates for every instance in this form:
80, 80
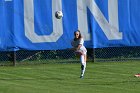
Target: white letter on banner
82, 19
29, 23
111, 28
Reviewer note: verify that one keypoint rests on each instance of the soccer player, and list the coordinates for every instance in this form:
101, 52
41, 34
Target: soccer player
79, 48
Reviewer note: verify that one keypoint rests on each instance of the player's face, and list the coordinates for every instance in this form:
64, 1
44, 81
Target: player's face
77, 35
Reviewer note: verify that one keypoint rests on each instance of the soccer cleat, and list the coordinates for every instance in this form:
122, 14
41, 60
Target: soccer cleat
137, 75
81, 77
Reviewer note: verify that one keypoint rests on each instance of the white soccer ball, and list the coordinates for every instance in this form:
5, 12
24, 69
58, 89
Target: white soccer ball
58, 14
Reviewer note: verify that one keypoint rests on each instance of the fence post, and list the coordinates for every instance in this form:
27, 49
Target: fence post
14, 56
93, 54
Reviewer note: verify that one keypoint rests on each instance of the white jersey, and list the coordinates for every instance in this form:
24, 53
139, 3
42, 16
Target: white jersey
79, 42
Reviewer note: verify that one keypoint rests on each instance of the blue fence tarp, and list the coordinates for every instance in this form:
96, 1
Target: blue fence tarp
31, 24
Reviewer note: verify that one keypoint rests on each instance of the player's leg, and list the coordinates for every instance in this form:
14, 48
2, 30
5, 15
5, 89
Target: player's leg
83, 64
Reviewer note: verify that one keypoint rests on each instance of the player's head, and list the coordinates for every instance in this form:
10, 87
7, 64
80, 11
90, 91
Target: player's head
77, 34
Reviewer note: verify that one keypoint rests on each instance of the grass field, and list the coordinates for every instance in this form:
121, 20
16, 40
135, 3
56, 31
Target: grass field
104, 77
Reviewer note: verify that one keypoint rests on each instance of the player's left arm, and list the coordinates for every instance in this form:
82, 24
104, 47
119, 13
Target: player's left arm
78, 47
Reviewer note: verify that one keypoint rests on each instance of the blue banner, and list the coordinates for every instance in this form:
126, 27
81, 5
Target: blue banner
32, 25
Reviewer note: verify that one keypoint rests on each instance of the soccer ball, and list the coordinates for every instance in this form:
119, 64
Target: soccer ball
58, 14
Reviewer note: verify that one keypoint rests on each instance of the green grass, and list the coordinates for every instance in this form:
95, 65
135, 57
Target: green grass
107, 77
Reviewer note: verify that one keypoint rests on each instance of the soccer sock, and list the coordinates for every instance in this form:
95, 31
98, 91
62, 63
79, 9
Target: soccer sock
82, 59
83, 68
83, 65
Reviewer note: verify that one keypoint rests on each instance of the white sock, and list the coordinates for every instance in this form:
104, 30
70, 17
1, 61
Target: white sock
83, 68
83, 65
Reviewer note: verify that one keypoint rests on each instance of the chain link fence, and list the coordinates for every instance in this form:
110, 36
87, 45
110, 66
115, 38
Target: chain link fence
117, 54
68, 56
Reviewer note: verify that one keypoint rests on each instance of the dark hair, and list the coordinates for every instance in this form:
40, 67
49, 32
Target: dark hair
80, 36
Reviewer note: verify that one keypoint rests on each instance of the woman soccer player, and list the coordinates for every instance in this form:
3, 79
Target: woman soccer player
78, 46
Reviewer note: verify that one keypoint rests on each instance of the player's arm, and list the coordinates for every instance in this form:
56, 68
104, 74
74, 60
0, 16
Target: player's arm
73, 45
78, 47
